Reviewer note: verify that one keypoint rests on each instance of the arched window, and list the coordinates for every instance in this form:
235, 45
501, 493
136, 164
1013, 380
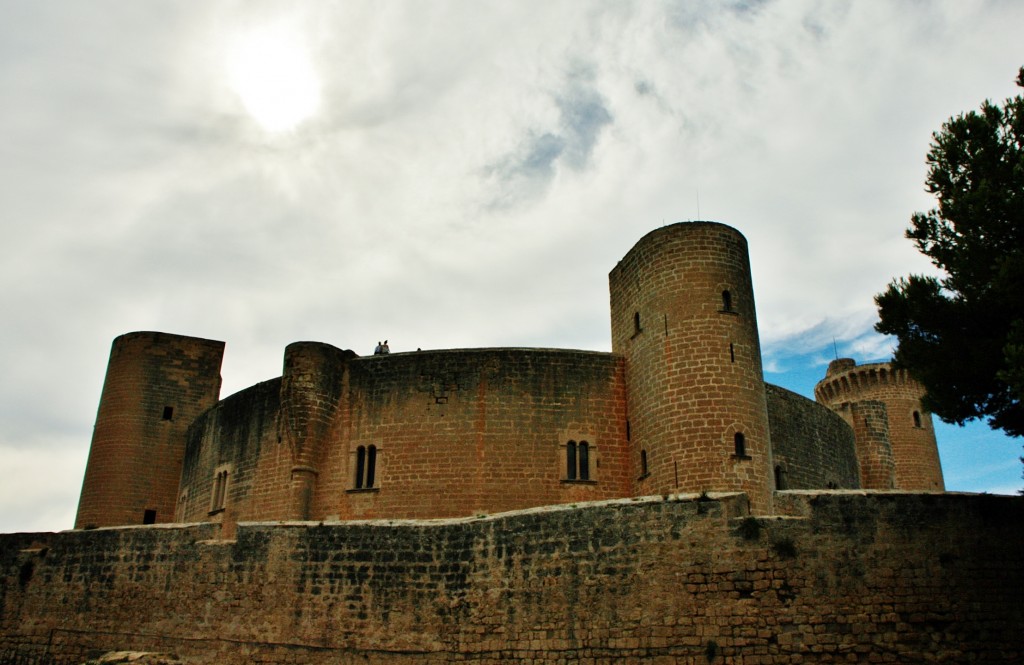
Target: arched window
726, 301
917, 419
220, 490
740, 444
364, 467
371, 465
578, 458
360, 466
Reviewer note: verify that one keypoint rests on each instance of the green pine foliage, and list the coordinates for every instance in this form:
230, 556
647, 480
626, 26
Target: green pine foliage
962, 335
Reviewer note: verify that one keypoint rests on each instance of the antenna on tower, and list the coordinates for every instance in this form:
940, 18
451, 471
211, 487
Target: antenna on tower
835, 348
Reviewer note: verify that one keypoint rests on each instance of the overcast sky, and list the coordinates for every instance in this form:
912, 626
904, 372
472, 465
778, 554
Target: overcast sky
448, 175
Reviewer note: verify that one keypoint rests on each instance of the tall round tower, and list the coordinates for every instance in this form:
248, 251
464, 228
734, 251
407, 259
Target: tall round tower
682, 308
156, 385
910, 452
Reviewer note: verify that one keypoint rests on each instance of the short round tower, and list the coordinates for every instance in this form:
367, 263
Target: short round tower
682, 308
895, 438
156, 385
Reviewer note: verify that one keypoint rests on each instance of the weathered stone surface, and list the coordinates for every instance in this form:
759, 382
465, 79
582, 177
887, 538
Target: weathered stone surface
853, 577
137, 657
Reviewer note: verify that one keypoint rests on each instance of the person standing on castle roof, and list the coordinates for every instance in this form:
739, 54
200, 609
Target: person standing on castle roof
384, 349
377, 350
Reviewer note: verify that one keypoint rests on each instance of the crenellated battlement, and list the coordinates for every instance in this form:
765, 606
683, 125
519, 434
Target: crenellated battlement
847, 381
896, 440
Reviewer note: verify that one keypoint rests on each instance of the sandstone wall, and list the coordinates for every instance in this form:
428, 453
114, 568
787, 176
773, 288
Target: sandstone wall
914, 451
683, 316
855, 578
465, 432
156, 385
812, 447
453, 433
231, 437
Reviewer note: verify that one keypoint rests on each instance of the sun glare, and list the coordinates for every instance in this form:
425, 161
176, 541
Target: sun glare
273, 76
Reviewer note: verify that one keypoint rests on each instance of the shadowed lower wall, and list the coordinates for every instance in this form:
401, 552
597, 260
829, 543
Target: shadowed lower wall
856, 578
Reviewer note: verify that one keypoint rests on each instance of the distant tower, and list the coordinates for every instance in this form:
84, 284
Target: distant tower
682, 308
895, 440
156, 385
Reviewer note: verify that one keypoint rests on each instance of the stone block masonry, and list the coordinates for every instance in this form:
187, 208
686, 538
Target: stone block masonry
678, 406
156, 385
850, 577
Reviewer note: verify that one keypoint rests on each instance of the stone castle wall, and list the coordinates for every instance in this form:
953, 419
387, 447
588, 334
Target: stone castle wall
812, 447
680, 405
454, 433
855, 578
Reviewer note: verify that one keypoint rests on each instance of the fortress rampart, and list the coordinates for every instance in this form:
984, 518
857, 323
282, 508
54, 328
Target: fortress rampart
857, 578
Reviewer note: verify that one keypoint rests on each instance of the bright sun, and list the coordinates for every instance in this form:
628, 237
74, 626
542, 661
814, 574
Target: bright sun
271, 72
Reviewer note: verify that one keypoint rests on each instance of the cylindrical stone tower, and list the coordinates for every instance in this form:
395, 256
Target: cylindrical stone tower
852, 390
156, 385
682, 308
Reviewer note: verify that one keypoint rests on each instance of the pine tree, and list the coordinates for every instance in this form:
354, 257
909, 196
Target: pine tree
962, 334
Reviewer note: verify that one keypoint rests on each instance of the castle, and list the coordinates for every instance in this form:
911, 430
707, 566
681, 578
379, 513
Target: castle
656, 504
679, 405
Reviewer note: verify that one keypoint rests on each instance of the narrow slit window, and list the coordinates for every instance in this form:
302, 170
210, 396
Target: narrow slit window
636, 322
168, 412
643, 464
360, 466
739, 444
570, 460
726, 301
732, 353
780, 478
363, 468
584, 455
917, 419
220, 491
371, 465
